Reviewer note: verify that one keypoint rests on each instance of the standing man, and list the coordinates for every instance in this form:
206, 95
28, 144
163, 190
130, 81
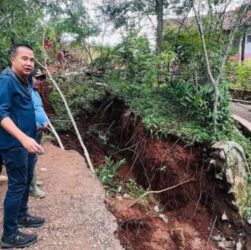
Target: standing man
17, 146
38, 78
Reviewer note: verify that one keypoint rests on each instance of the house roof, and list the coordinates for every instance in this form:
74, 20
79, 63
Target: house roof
229, 20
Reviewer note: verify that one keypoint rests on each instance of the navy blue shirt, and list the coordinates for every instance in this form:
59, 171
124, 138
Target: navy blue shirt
15, 103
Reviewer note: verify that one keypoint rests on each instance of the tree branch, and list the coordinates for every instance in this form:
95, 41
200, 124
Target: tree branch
163, 190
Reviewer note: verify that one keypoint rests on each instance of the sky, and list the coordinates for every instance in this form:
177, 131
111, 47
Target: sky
108, 35
111, 37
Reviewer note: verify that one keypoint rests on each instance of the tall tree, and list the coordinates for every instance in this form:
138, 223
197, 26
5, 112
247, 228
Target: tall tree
19, 22
126, 13
70, 16
217, 19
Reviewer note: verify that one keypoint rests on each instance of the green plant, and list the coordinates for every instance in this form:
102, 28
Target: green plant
107, 174
133, 189
239, 74
80, 96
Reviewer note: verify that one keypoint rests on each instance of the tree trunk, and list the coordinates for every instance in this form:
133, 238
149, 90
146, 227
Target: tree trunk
159, 9
215, 107
243, 43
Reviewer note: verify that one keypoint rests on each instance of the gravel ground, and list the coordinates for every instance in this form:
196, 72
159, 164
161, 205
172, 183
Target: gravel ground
76, 216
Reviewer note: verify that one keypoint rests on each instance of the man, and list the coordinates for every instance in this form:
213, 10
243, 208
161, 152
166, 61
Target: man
38, 78
3, 178
60, 59
18, 146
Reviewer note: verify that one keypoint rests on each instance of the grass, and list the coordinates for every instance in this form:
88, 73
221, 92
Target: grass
159, 115
107, 174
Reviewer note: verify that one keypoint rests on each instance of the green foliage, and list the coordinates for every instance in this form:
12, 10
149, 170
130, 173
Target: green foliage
60, 120
18, 25
133, 57
159, 114
80, 95
188, 48
186, 42
104, 61
133, 189
71, 17
239, 74
179, 108
123, 13
22, 22
198, 102
136, 63
107, 174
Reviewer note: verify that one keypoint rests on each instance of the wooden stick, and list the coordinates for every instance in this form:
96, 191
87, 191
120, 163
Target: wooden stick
212, 229
53, 130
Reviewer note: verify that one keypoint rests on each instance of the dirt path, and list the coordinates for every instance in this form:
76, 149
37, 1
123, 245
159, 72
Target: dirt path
242, 110
76, 216
242, 114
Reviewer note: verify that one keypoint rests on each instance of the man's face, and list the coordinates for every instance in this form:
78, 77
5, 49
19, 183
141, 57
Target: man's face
37, 81
22, 63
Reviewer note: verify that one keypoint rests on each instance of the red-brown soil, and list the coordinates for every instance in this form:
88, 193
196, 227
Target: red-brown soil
193, 210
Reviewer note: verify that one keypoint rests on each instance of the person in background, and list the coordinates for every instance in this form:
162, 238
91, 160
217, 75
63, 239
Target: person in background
60, 59
38, 78
3, 178
18, 146
47, 44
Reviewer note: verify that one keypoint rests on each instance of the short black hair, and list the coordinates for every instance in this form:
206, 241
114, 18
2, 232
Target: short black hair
14, 47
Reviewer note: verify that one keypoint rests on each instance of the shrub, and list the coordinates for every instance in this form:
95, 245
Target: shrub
239, 74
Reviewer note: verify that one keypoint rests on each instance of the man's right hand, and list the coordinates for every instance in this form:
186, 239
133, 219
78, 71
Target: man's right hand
31, 145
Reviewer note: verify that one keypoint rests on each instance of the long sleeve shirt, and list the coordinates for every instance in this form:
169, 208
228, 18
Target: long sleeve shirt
41, 117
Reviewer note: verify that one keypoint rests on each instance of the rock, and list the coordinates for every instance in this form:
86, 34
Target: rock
239, 245
126, 196
249, 220
212, 162
164, 218
226, 245
217, 237
119, 197
224, 217
156, 209
231, 167
229, 176
178, 237
222, 155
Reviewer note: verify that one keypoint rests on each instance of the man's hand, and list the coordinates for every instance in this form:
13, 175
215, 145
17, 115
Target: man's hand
46, 124
31, 145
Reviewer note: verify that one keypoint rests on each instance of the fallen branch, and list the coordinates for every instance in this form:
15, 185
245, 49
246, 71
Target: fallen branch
161, 191
53, 130
212, 229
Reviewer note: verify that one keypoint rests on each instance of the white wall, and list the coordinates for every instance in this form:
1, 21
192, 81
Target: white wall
248, 44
